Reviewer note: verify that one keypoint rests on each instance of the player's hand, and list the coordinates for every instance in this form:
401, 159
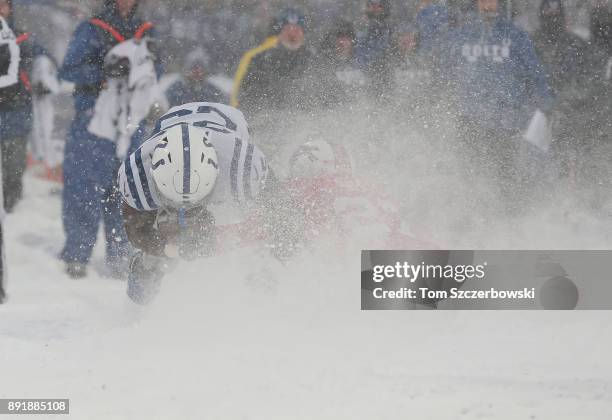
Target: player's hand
197, 235
171, 250
167, 227
39, 89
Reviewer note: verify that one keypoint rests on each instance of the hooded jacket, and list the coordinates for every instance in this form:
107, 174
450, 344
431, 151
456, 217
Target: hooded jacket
16, 99
84, 61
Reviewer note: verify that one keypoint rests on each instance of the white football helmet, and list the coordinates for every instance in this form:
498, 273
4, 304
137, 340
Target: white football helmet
318, 158
206, 114
184, 166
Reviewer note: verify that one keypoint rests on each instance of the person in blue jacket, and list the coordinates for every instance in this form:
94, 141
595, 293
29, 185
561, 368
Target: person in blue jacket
16, 110
499, 78
432, 21
374, 47
499, 85
90, 163
195, 85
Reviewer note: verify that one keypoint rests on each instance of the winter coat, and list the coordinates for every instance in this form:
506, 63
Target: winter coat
16, 100
595, 108
84, 61
432, 22
275, 79
374, 51
498, 78
561, 55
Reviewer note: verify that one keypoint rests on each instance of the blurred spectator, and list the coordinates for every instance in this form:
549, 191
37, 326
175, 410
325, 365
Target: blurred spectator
412, 67
2, 263
432, 21
562, 56
195, 86
271, 76
601, 28
499, 85
374, 47
589, 125
559, 50
599, 61
597, 76
16, 112
224, 29
458, 10
90, 162
342, 77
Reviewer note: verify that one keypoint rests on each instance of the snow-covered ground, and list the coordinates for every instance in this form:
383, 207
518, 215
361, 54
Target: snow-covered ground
240, 336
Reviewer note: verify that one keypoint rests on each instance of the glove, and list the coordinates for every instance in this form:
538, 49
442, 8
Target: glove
197, 236
39, 89
117, 67
190, 238
167, 226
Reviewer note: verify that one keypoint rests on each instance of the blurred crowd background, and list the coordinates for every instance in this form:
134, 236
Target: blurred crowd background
227, 28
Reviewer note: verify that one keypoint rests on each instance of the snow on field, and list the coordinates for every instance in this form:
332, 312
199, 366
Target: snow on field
240, 336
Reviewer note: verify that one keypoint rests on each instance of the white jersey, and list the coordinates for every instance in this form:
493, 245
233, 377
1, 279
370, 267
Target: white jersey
242, 172
10, 74
214, 116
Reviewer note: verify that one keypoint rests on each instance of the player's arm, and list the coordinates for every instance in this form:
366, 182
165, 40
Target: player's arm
142, 232
198, 235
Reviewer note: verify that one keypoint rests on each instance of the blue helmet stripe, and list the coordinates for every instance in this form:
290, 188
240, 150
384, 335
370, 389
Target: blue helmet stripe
124, 188
132, 184
209, 109
144, 180
179, 113
205, 124
186, 159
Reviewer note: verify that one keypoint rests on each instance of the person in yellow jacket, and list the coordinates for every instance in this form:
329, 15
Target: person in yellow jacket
268, 75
